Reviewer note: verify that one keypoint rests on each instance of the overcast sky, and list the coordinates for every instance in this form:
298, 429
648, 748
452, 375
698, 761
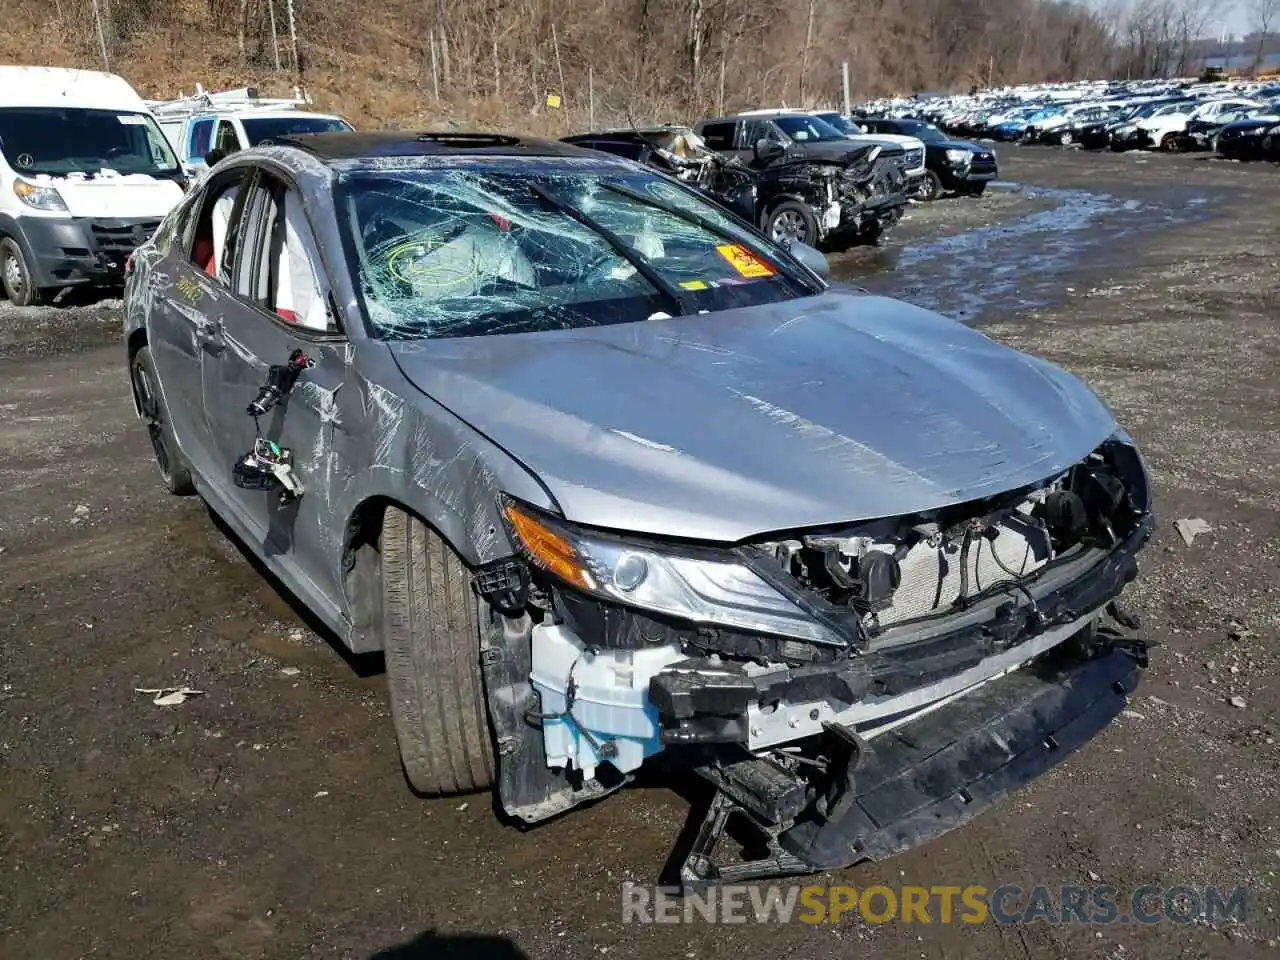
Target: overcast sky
1233, 20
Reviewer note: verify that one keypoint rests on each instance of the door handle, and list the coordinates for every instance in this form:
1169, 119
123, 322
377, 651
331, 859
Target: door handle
209, 333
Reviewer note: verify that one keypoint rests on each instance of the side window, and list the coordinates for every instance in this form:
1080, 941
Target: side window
216, 205
718, 136
759, 130
227, 141
277, 262
200, 139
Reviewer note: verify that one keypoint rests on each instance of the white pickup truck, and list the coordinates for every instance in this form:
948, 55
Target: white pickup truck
234, 120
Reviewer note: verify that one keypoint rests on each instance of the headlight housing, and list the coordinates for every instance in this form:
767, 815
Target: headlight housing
38, 196
1132, 466
703, 586
958, 156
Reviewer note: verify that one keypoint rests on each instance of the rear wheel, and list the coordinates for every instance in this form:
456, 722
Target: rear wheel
431, 637
16, 275
792, 220
146, 388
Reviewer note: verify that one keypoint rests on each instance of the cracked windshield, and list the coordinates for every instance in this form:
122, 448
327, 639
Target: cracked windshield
459, 252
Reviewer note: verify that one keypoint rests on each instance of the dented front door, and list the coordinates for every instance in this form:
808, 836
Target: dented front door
307, 421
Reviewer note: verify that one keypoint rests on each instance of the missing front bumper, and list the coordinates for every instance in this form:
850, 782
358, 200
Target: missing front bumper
918, 781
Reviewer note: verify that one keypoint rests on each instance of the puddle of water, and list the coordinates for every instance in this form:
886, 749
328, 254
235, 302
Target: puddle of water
1019, 264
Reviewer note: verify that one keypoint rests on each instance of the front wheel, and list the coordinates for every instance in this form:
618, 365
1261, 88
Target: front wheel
1066, 138
430, 626
1169, 142
976, 189
146, 389
792, 220
930, 188
16, 275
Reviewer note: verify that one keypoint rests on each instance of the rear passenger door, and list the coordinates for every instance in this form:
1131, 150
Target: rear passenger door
186, 301
282, 302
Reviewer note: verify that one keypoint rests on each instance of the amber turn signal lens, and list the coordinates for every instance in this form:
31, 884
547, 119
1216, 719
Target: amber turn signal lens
549, 550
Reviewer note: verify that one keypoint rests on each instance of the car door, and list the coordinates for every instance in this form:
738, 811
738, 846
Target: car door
185, 302
308, 421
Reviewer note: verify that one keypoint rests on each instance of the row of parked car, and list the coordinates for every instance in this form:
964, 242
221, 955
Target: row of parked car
1239, 121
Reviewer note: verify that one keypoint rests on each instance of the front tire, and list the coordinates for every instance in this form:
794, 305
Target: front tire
431, 637
1169, 143
976, 189
146, 390
16, 276
930, 188
792, 220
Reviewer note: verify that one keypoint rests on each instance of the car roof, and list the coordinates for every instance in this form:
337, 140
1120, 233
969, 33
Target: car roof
757, 115
367, 145
623, 132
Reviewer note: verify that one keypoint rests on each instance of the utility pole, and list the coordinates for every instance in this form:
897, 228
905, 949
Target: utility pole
848, 92
102, 36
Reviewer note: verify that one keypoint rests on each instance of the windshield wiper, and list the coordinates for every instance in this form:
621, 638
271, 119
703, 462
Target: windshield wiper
794, 271
620, 246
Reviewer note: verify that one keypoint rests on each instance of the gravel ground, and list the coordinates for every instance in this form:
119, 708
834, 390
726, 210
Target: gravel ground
268, 817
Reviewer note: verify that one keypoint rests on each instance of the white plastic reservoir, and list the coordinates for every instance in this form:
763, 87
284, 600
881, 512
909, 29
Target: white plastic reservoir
611, 701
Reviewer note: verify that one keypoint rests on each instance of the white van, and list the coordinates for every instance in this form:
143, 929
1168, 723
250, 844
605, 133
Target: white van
85, 177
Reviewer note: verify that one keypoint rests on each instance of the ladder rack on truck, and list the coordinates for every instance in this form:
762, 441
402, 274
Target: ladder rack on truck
241, 99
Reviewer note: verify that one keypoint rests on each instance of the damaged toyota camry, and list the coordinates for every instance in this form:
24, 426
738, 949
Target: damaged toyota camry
614, 481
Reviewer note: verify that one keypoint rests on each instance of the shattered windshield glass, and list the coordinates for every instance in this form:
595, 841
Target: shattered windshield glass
471, 250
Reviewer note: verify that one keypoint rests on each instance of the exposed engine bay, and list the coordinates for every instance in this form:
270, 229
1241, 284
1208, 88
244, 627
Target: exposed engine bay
900, 570
906, 622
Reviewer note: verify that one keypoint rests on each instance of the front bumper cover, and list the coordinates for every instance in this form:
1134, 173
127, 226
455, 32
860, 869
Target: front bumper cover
926, 777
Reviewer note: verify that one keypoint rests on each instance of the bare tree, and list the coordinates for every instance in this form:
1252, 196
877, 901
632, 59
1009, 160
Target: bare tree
1262, 16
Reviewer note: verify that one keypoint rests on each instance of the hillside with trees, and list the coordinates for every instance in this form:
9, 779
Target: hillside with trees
494, 62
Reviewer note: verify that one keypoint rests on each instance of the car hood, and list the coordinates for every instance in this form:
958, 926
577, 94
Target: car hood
838, 151
1250, 125
936, 145
722, 426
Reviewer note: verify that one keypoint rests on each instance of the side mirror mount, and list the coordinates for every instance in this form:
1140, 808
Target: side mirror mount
811, 257
767, 151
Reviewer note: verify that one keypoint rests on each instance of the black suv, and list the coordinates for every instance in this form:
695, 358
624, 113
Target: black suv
949, 164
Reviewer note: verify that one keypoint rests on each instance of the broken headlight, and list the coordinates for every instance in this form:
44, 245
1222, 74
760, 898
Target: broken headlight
701, 585
1132, 468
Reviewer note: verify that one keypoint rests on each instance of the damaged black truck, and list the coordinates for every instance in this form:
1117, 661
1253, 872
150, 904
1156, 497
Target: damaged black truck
822, 188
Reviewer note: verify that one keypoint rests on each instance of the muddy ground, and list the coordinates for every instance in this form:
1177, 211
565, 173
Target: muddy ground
269, 817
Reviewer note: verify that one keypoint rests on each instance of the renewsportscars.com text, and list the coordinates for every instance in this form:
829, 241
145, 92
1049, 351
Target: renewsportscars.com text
1008, 904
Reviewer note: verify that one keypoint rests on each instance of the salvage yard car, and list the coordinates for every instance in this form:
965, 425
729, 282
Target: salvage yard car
611, 479
855, 190
955, 165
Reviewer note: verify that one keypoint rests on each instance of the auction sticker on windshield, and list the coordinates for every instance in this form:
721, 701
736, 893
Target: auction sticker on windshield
744, 261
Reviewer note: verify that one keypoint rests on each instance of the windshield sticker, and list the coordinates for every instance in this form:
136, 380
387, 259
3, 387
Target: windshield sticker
135, 119
744, 261
694, 285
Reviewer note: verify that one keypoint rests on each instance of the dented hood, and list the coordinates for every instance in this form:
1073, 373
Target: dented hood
722, 426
